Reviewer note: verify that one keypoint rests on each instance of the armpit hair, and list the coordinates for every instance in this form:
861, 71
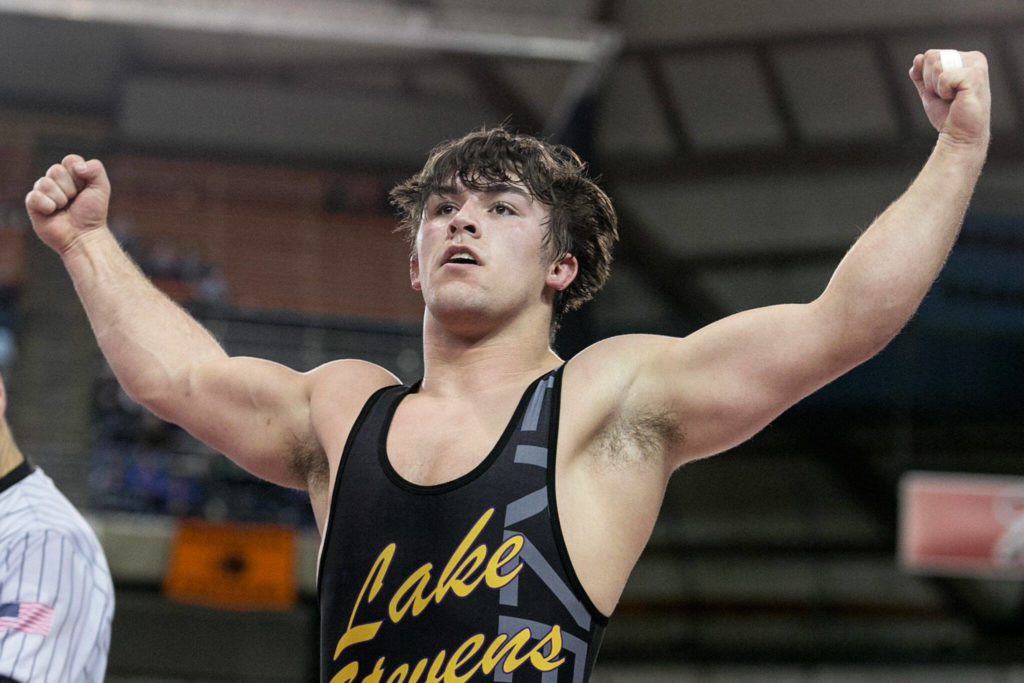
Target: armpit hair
309, 462
639, 437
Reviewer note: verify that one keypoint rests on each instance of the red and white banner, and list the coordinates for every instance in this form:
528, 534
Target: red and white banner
962, 524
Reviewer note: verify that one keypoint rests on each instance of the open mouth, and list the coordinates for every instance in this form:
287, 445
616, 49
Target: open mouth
461, 257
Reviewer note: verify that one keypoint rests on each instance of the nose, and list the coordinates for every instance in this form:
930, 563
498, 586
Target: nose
462, 222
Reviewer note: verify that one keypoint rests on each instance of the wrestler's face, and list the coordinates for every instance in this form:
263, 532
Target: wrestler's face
480, 255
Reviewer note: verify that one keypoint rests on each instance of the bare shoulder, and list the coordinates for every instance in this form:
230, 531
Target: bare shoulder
610, 369
611, 399
351, 374
339, 390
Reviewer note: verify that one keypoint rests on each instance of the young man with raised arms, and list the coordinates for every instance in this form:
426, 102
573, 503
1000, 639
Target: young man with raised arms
483, 522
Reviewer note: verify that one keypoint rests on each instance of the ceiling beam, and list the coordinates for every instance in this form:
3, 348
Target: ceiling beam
668, 106
909, 152
1010, 25
350, 23
497, 89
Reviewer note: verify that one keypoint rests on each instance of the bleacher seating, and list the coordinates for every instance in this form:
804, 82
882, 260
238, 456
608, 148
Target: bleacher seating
295, 282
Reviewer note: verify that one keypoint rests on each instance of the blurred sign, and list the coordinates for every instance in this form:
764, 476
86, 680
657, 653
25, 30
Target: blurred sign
962, 524
232, 566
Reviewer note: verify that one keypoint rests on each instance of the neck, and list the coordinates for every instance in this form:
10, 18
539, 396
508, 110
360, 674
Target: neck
10, 456
455, 363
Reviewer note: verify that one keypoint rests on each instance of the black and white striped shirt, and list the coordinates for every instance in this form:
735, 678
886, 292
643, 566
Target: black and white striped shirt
56, 594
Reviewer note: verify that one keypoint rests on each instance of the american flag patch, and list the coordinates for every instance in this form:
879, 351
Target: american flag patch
27, 617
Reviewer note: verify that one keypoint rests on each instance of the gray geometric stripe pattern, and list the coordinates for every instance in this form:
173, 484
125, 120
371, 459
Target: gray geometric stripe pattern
509, 594
512, 625
524, 508
531, 455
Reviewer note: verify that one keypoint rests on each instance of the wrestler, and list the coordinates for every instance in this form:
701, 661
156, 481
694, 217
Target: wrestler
484, 521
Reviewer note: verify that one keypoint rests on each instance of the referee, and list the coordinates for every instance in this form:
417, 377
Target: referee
56, 596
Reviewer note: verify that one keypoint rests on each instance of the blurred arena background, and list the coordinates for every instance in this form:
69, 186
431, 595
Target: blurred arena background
746, 144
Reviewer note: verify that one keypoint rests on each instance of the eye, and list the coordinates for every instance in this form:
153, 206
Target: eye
445, 209
503, 209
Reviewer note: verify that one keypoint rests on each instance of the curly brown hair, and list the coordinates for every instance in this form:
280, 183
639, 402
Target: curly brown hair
582, 221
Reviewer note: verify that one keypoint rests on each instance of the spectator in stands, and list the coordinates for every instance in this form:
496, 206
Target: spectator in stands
12, 280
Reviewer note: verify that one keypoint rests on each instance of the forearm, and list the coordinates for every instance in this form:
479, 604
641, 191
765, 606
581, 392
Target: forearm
885, 275
151, 343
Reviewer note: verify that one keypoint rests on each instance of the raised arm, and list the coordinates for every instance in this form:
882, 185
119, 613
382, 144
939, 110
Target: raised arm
254, 411
725, 382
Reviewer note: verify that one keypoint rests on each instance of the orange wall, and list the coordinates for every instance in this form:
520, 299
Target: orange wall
267, 230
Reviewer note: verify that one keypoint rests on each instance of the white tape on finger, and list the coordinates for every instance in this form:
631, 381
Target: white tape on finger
950, 59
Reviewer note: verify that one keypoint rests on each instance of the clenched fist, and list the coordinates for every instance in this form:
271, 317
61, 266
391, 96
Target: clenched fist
69, 201
955, 94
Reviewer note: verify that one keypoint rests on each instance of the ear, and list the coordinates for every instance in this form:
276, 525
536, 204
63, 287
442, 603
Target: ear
562, 272
414, 272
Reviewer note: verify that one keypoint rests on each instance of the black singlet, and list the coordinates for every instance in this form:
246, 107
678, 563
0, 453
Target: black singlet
464, 581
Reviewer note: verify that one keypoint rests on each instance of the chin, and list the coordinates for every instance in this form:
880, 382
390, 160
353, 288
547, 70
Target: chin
464, 317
